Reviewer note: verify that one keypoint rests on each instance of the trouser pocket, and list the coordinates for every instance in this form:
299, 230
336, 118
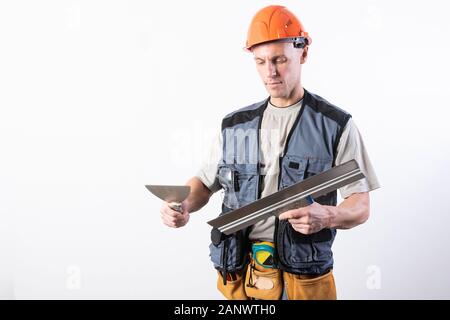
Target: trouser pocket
233, 289
302, 287
263, 283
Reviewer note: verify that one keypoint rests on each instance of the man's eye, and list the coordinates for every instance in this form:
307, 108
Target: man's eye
259, 62
280, 60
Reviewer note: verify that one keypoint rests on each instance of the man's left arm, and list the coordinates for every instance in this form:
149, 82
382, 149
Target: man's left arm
355, 209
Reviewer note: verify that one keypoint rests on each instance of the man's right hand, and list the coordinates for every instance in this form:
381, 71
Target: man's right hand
173, 218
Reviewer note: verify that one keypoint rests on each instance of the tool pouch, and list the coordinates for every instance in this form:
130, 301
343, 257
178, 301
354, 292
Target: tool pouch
307, 287
228, 252
263, 283
232, 288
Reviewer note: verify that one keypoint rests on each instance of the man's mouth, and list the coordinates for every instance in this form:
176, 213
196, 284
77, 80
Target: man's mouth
273, 83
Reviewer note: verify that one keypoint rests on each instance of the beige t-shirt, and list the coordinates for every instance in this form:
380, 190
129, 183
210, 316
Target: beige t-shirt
275, 127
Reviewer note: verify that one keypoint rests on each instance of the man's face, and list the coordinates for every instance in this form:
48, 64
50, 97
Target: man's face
279, 66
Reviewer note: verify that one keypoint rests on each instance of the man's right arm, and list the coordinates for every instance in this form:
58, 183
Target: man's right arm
198, 197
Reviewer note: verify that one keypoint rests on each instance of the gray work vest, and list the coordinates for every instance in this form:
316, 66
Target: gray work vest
310, 149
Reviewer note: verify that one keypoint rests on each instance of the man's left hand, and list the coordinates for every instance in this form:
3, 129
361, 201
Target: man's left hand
310, 219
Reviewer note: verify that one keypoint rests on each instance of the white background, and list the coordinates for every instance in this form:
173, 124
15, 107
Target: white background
99, 98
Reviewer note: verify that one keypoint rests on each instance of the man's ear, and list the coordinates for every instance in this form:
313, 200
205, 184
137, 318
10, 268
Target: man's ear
304, 55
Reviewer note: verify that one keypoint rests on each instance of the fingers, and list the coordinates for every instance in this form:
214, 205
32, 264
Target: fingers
167, 210
302, 220
172, 218
303, 228
175, 222
285, 215
170, 222
307, 220
293, 214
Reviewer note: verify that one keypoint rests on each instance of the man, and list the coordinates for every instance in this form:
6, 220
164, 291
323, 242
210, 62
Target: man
267, 147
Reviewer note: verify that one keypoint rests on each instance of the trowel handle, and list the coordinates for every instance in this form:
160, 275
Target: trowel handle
310, 200
176, 206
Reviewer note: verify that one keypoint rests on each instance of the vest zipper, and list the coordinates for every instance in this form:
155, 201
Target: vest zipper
258, 164
280, 161
224, 261
277, 221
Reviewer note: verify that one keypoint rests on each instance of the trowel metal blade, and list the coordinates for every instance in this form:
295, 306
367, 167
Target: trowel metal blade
170, 194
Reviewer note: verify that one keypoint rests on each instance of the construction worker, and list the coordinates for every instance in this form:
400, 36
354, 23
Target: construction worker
266, 147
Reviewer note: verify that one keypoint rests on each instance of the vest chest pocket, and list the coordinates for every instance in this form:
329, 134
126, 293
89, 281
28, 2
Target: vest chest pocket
295, 168
316, 165
246, 185
292, 170
240, 187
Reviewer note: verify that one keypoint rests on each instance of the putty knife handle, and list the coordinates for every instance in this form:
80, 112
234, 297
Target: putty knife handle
176, 206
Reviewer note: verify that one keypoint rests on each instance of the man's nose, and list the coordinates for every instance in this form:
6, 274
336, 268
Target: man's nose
271, 70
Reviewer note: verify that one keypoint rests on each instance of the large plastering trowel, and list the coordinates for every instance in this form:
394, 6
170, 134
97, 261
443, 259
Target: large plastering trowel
173, 195
289, 198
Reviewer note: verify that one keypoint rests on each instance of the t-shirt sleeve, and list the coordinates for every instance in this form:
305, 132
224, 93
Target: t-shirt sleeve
208, 170
351, 146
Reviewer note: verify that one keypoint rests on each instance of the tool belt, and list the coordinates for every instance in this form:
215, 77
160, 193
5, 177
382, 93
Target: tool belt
260, 280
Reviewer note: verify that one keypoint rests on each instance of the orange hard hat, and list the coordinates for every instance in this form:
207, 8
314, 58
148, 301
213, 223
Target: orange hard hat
276, 23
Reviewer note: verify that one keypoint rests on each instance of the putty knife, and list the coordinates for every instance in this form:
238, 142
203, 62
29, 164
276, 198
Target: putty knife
173, 195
